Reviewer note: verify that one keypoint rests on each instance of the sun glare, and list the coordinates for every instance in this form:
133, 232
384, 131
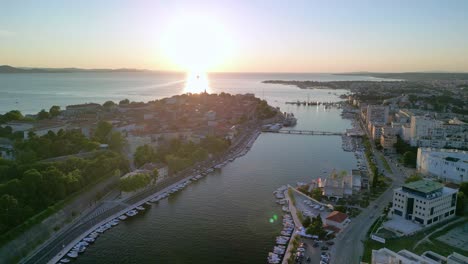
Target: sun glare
197, 83
196, 44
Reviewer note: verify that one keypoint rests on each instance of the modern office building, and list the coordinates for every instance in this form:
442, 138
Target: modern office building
425, 202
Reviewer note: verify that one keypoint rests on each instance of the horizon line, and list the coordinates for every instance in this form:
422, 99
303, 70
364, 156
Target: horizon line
219, 72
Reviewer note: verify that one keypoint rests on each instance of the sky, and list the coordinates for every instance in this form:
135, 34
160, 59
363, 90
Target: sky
237, 36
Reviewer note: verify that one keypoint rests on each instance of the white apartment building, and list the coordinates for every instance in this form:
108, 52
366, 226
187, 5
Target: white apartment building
377, 113
388, 138
445, 164
425, 202
421, 127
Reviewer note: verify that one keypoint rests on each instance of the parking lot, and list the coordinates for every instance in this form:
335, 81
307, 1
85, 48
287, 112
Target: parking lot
309, 208
312, 248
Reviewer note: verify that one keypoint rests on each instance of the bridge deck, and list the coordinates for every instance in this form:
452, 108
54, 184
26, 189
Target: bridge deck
305, 132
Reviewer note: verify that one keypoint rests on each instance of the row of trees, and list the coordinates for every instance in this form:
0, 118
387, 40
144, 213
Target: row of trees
52, 145
134, 182
105, 135
34, 187
314, 226
409, 153
53, 112
371, 161
179, 155
265, 111
13, 115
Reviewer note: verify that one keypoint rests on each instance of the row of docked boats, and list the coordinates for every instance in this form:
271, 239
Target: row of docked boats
348, 143
282, 241
81, 246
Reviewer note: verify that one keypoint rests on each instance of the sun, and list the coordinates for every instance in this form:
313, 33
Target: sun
196, 44
197, 82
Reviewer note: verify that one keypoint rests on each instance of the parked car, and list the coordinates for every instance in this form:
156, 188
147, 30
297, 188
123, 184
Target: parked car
324, 248
330, 243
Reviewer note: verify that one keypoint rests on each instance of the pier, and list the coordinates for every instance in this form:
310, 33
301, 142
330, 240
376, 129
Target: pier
305, 132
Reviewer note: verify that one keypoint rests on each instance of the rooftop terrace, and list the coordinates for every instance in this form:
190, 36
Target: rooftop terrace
424, 186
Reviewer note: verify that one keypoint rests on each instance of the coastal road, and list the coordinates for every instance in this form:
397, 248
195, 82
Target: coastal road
349, 247
349, 243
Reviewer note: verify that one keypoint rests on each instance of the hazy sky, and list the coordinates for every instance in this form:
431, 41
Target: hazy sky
261, 36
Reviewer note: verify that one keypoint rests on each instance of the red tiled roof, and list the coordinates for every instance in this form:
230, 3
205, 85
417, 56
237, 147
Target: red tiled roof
336, 216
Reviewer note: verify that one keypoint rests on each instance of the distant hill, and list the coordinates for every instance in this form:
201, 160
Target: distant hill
10, 69
414, 76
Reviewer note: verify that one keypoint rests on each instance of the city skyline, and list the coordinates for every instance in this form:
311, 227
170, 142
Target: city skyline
258, 36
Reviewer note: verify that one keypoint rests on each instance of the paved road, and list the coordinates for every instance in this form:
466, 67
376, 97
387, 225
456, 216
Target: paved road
68, 234
349, 246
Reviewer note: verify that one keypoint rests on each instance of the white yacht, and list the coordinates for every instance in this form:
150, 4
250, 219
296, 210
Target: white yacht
122, 217
73, 254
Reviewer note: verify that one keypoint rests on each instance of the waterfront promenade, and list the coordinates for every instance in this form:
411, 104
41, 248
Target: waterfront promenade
297, 224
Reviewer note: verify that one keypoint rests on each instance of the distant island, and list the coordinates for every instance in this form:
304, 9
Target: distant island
11, 69
413, 76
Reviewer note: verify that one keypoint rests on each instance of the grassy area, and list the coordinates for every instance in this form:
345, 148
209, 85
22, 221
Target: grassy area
291, 196
295, 244
385, 163
408, 243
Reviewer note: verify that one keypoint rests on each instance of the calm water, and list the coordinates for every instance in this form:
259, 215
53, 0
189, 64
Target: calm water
222, 218
30, 93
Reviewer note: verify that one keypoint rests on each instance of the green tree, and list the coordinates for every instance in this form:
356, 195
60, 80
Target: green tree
72, 181
8, 207
409, 159
464, 187
32, 181
12, 115
176, 163
461, 199
340, 208
413, 178
134, 182
144, 154
116, 141
124, 102
103, 131
108, 105
316, 227
54, 111
54, 187
306, 222
316, 194
43, 114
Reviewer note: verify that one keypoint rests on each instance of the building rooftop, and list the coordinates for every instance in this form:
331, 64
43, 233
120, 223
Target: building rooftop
424, 186
337, 216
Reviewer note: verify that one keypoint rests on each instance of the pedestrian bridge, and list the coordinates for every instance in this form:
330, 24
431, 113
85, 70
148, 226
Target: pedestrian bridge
305, 132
